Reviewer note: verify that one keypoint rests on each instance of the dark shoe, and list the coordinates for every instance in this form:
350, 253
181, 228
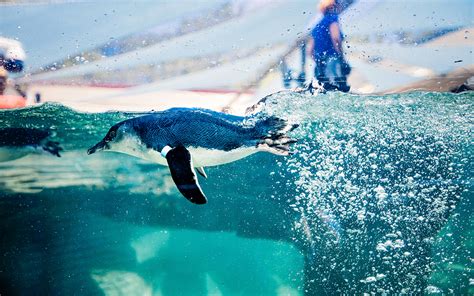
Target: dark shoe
343, 87
329, 86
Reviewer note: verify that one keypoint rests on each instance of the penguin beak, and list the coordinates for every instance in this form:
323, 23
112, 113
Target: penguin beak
97, 147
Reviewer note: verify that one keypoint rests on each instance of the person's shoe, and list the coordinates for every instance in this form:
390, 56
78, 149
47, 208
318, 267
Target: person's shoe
343, 87
329, 86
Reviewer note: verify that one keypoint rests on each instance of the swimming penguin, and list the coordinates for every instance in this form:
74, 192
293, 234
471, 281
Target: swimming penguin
184, 139
18, 142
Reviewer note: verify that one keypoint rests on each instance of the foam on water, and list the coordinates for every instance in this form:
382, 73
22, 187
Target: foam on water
377, 175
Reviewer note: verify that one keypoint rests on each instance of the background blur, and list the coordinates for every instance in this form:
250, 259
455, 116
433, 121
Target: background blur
140, 55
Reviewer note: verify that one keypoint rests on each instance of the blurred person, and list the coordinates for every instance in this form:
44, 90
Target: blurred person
12, 55
12, 58
331, 68
3, 80
9, 101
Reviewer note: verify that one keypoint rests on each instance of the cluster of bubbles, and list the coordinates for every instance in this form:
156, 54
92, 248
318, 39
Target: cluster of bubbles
376, 179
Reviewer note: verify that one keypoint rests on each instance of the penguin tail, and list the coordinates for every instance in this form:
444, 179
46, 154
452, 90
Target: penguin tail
273, 135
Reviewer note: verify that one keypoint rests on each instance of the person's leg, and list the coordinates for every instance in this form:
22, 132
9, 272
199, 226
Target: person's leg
341, 75
332, 69
320, 72
323, 72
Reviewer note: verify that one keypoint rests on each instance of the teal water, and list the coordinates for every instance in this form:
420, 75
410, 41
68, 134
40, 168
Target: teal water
377, 198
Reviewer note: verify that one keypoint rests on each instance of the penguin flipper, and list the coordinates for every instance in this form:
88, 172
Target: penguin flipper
181, 167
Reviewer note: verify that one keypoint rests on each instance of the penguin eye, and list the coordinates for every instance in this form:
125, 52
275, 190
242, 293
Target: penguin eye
112, 135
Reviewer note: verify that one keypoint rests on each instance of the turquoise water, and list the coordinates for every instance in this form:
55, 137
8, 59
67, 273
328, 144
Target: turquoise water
376, 198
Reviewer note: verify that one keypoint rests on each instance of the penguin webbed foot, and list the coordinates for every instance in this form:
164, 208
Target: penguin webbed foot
279, 145
277, 141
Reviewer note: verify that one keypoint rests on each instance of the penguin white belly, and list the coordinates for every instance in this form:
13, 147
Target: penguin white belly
203, 157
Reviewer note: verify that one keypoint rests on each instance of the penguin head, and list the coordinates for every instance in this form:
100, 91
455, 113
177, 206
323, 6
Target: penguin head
112, 139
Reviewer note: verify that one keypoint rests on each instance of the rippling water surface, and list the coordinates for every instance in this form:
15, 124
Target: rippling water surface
376, 198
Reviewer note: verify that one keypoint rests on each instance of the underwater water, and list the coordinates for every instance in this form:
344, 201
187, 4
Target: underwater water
377, 198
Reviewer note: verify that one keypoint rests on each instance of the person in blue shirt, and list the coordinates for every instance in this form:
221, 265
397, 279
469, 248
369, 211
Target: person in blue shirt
331, 68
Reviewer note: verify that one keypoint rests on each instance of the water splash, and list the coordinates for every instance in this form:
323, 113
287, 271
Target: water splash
376, 178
